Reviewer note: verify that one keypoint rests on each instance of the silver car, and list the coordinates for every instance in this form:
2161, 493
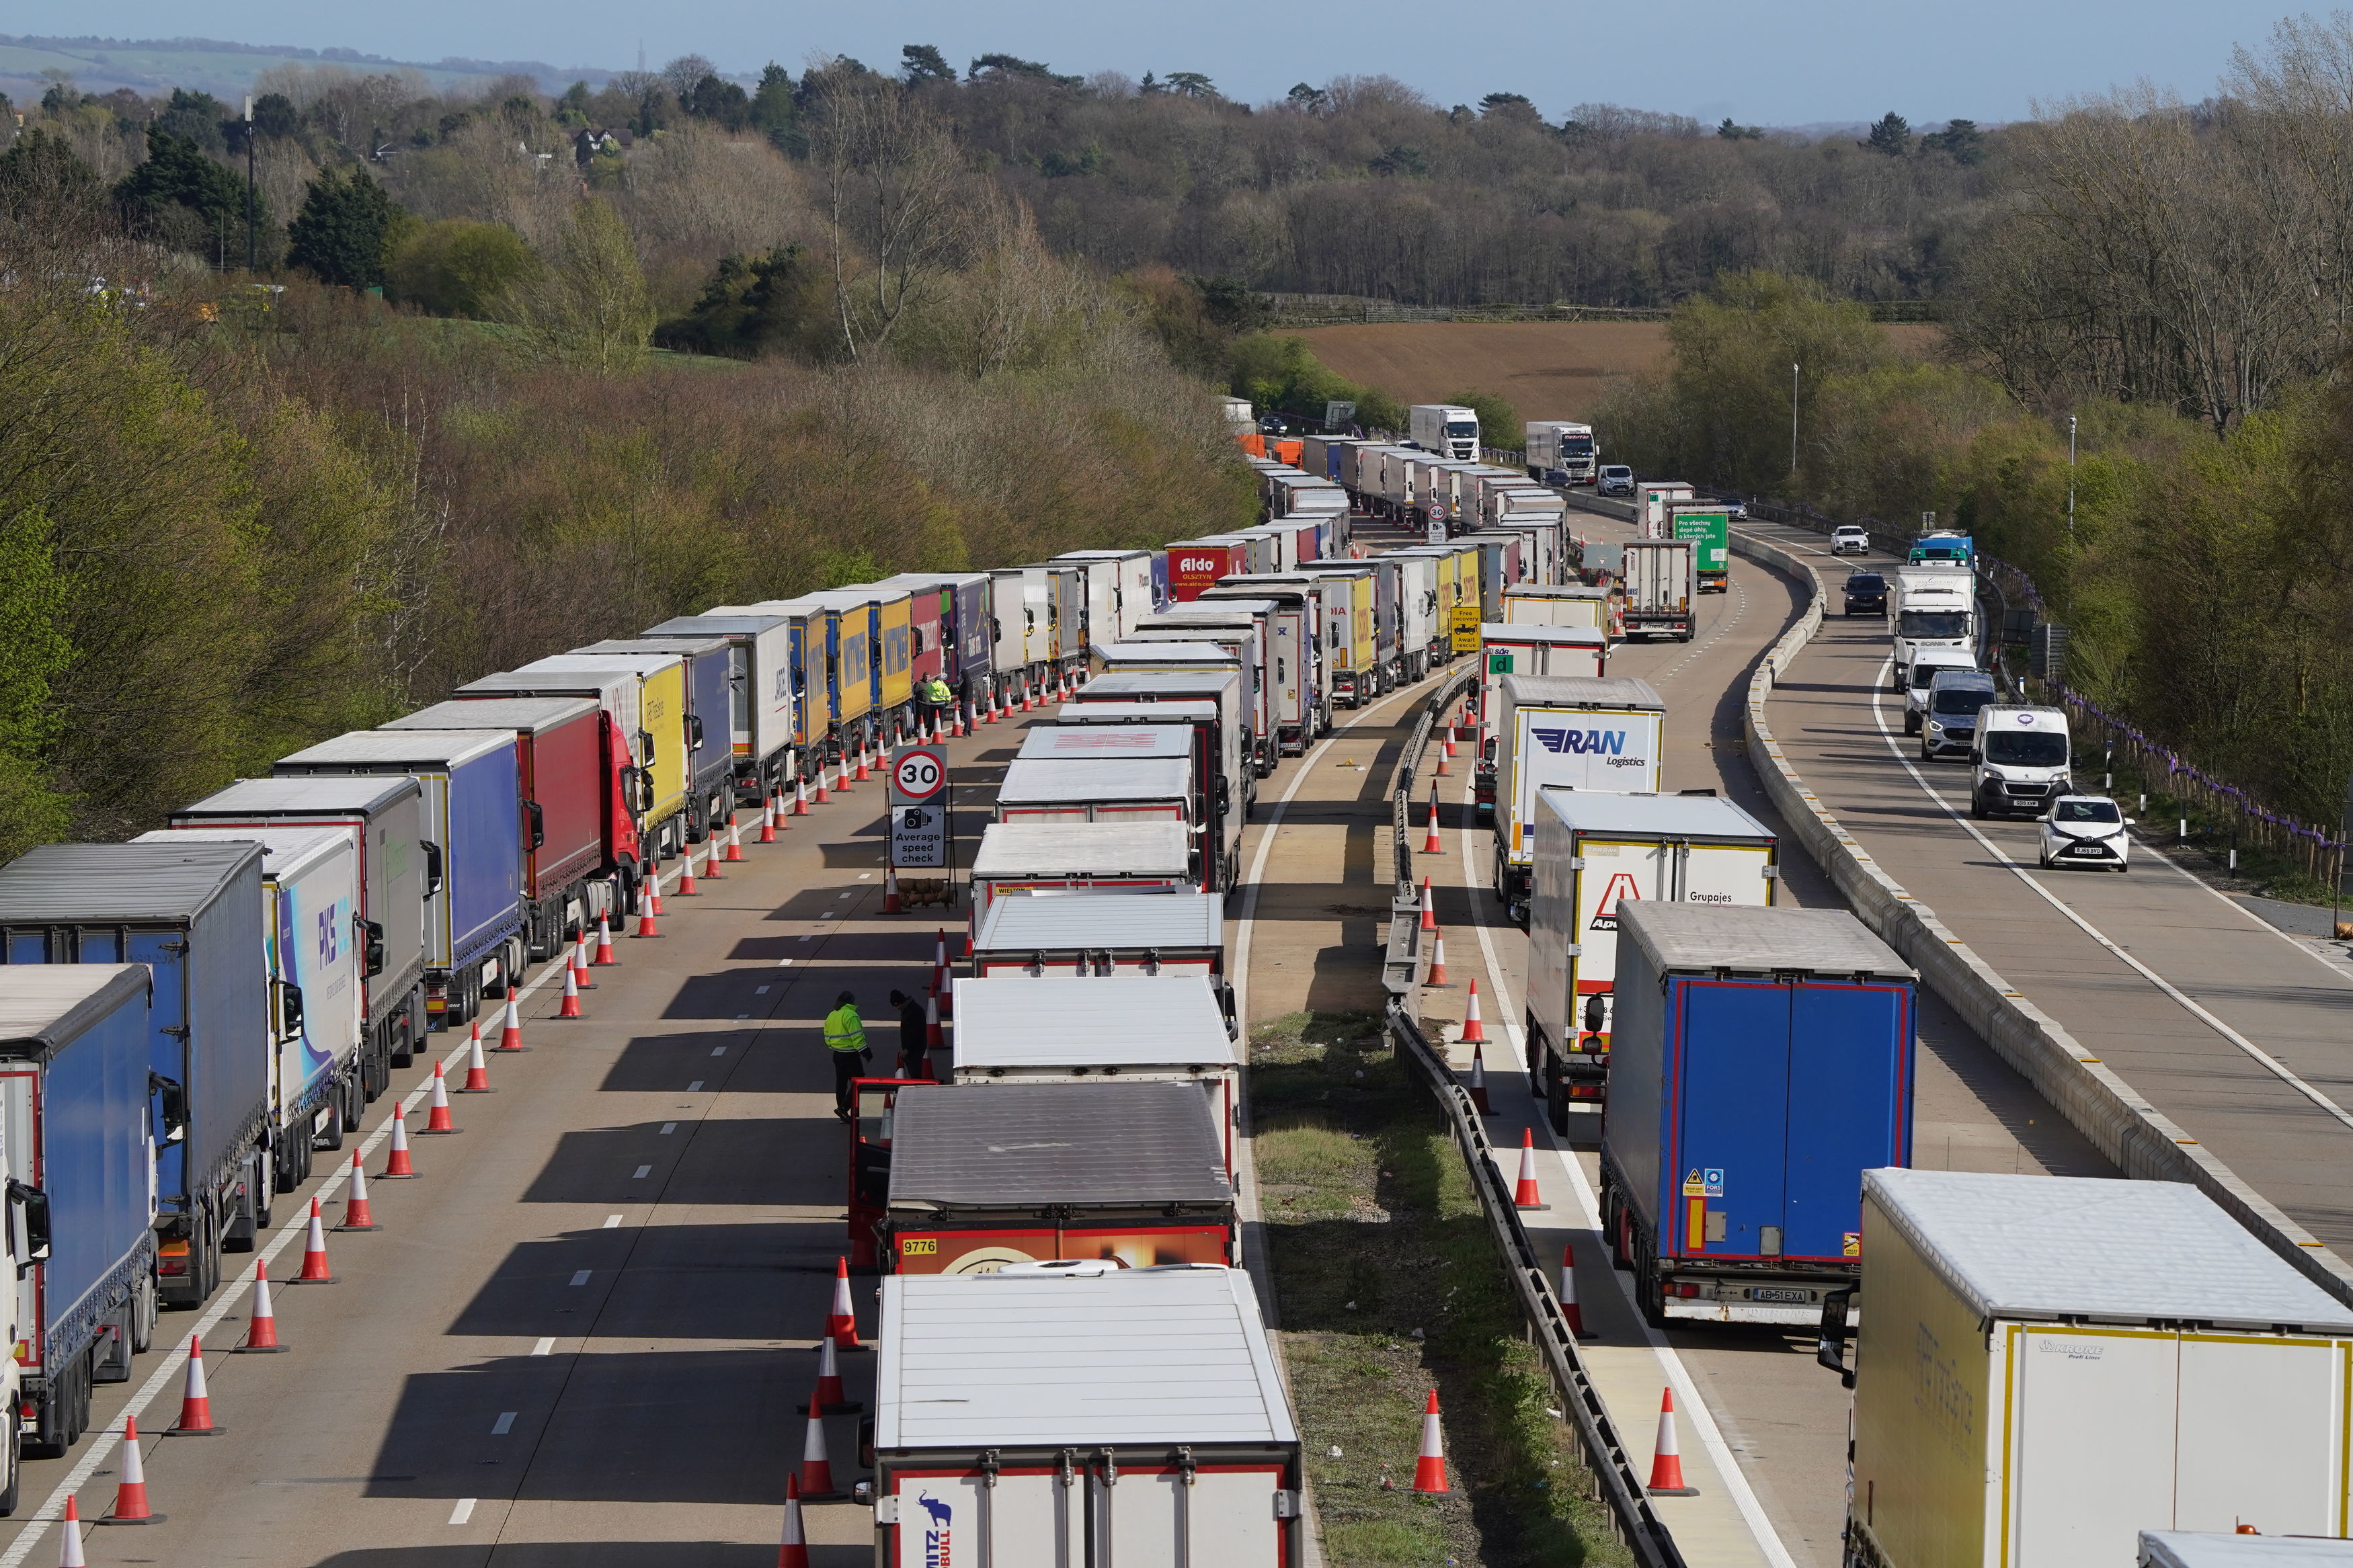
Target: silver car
2085, 830
1849, 540
1616, 480
1948, 711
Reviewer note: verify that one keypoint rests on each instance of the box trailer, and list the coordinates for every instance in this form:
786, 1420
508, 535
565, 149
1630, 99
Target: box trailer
577, 830
1596, 855
646, 695
1557, 604
1708, 525
1018, 857
1097, 789
77, 1151
384, 819
979, 1178
1243, 638
1374, 664
1499, 568
1081, 1414
1222, 781
2199, 1548
1118, 591
1537, 651
1650, 497
1352, 662
2049, 1365
1022, 602
191, 913
1293, 610
764, 700
1762, 1061
1196, 563
1158, 1028
1602, 734
474, 944
314, 956
1077, 935
1658, 584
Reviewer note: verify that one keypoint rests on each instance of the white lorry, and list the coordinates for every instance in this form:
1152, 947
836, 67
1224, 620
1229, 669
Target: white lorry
1607, 734
1650, 499
1556, 445
1445, 429
1660, 577
2049, 1365
1931, 607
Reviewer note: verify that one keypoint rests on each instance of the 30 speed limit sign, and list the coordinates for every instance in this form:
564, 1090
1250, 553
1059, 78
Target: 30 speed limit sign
918, 775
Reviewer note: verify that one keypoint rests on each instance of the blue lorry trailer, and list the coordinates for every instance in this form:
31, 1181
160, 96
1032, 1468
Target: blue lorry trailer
1761, 1060
474, 942
77, 1151
191, 913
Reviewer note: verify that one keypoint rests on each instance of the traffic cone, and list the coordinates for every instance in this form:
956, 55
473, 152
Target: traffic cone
1429, 1471
686, 887
1429, 909
357, 1215
1479, 1082
933, 1039
841, 1322
1431, 845
130, 1493
841, 775
710, 858
768, 817
571, 1007
396, 1167
195, 1400
314, 1253
863, 775
438, 1120
1443, 769
1525, 1193
821, 795
943, 984
939, 947
817, 1470
891, 889
580, 963
645, 919
510, 1041
604, 942
1667, 1460
70, 1555
828, 1399
1449, 741
800, 795
261, 1337
1571, 1313
1474, 1032
794, 1552
735, 840
1437, 976
651, 898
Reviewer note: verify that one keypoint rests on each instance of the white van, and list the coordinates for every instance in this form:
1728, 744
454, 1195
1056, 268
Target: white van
2020, 761
1927, 663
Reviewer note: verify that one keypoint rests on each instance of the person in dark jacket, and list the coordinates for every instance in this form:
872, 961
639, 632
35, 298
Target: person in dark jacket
914, 1037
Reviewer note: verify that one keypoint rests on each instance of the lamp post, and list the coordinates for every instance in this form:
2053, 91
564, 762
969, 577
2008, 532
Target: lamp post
249, 214
2071, 476
1793, 419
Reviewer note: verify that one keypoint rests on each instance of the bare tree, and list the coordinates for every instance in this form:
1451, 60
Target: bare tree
684, 74
893, 185
589, 302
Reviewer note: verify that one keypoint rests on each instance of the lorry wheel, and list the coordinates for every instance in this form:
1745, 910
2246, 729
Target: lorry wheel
143, 1310
1555, 1094
1646, 1289
331, 1138
12, 1493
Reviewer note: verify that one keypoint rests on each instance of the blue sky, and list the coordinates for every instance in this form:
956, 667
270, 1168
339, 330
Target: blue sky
1821, 60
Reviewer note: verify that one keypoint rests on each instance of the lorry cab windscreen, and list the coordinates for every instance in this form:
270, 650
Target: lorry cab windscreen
1962, 698
1932, 624
1576, 446
1462, 428
2022, 749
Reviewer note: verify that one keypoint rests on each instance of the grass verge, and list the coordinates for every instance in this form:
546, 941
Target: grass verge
1390, 1285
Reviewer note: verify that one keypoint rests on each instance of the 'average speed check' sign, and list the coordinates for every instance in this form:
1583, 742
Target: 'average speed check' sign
919, 774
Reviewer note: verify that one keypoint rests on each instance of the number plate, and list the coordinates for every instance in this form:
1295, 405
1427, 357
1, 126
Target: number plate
1767, 1293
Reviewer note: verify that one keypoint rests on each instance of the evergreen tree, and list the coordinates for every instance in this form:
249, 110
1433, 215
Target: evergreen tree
775, 112
721, 103
186, 200
339, 234
1892, 135
920, 63
1960, 139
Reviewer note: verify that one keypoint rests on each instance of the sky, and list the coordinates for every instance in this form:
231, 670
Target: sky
1798, 62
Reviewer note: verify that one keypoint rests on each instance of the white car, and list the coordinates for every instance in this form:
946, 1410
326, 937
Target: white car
1849, 540
2086, 830
1617, 479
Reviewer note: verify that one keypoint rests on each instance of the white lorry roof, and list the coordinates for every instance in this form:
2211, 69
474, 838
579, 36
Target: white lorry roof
1058, 922
1529, 633
537, 714
1581, 690
1054, 780
316, 793
1166, 652
1154, 1356
2188, 1549
1113, 742
398, 748
2048, 1246
1103, 714
1677, 815
288, 848
1111, 1020
1080, 848
1753, 939
962, 1146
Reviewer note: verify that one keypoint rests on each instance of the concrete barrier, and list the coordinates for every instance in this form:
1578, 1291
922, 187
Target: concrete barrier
2139, 1139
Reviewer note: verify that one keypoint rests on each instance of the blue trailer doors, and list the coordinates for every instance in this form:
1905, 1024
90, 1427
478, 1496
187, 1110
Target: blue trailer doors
1782, 1095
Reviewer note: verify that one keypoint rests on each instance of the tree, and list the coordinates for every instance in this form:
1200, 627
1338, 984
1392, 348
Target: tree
1000, 65
1892, 135
456, 267
683, 74
1495, 101
197, 117
184, 199
572, 109
1307, 100
721, 102
42, 169
1191, 84
339, 236
589, 301
893, 180
775, 109
274, 114
1731, 132
1960, 140
920, 63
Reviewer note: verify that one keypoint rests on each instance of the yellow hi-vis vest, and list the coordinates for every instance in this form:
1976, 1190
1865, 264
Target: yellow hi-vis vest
844, 1030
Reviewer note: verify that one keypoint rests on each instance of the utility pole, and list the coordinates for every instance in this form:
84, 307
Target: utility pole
1793, 419
2071, 476
250, 202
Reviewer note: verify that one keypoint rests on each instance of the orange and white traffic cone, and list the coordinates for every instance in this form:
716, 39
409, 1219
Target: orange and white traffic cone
800, 794
69, 1554
357, 1215
652, 896
571, 1007
439, 1120
822, 794
939, 947
1479, 1082
396, 1167
711, 856
686, 887
829, 1399
735, 840
1474, 1032
933, 1038
580, 962
891, 889
770, 809
1444, 769
604, 953
1437, 975
817, 1470
1667, 1459
195, 1399
1449, 741
794, 1552
841, 1321
1571, 1313
1431, 844
314, 1253
863, 775
130, 1493
646, 926
1429, 1469
1525, 1195
510, 1040
841, 773
1428, 907
262, 1335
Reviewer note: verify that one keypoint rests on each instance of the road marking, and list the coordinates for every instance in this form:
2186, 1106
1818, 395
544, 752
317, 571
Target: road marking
2270, 1063
862, 876
695, 1085
669, 1128
719, 1050
739, 1018
612, 1222
804, 939
643, 1172
544, 1347
464, 1511
503, 1424
762, 990
581, 1277
781, 963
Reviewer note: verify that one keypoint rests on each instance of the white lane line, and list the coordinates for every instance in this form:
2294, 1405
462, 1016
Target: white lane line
762, 990
669, 1128
2270, 1063
719, 1050
695, 1085
544, 1347
612, 1222
503, 1424
581, 1277
464, 1511
643, 1172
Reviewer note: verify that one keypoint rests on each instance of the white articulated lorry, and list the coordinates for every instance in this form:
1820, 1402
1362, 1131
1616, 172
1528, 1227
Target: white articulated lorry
1605, 734
1557, 445
1445, 429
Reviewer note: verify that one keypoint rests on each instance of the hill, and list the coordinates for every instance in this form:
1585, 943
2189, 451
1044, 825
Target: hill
155, 66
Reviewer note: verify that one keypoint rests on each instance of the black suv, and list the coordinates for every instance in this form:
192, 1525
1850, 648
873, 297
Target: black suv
1866, 594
